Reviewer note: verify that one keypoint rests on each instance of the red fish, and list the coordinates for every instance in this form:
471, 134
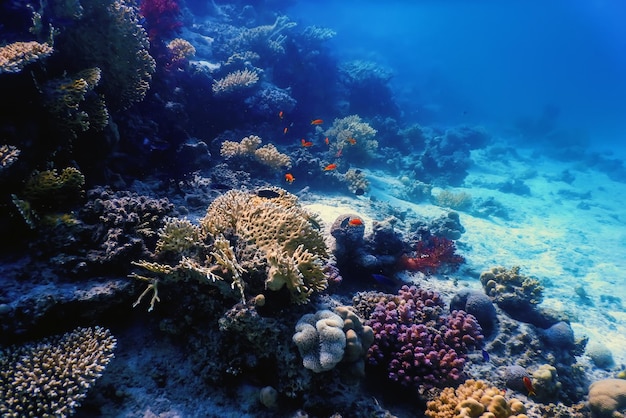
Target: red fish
339, 153
351, 140
326, 141
281, 114
528, 385
285, 131
289, 178
306, 143
330, 167
317, 122
355, 222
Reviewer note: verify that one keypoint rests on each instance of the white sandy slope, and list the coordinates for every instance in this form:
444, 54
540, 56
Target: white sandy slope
563, 240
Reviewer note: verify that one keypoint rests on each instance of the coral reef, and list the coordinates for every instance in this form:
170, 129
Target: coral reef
260, 242
162, 18
267, 155
456, 201
478, 304
546, 383
51, 377
432, 255
353, 137
17, 55
607, 398
516, 294
235, 82
475, 398
357, 182
416, 343
321, 340
51, 189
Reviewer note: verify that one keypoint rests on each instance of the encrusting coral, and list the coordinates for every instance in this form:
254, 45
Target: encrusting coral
474, 398
49, 378
267, 155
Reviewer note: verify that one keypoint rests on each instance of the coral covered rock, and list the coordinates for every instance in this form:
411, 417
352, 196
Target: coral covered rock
50, 377
607, 398
474, 398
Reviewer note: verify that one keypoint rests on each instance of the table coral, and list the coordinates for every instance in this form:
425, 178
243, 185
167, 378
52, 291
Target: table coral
51, 377
474, 398
417, 343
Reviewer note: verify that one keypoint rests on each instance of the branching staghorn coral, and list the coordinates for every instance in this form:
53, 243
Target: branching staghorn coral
17, 55
236, 81
49, 378
249, 146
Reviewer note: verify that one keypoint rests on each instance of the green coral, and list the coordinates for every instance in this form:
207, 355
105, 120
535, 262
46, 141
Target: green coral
505, 285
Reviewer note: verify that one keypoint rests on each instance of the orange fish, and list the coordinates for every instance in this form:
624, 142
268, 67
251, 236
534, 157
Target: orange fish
355, 222
285, 131
351, 140
281, 114
289, 178
339, 153
326, 141
306, 143
317, 122
528, 385
330, 167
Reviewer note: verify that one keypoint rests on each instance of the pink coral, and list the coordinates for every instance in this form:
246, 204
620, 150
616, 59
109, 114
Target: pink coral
161, 18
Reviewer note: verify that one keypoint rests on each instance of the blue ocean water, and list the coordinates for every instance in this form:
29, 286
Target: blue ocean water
494, 63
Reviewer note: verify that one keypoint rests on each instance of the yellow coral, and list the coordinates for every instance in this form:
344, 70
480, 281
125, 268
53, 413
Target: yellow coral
249, 146
17, 55
236, 81
346, 131
181, 49
178, 236
474, 398
49, 378
275, 232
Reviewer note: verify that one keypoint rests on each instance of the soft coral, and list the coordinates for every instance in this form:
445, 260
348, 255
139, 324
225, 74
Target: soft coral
431, 255
161, 18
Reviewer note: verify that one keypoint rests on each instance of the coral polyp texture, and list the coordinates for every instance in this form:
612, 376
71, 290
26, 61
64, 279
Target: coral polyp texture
236, 81
510, 289
417, 343
267, 155
262, 241
320, 340
475, 398
49, 378
17, 55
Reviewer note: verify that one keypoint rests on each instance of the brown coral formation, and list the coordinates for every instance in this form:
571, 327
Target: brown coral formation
49, 378
267, 155
474, 398
17, 55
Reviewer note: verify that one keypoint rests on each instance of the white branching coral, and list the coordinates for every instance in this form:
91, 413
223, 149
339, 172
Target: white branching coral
49, 378
236, 81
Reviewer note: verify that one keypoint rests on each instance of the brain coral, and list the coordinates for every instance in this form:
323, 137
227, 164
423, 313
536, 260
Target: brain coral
474, 398
607, 398
50, 378
321, 340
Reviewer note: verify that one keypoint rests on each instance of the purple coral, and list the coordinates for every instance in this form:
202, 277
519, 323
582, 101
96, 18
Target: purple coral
418, 344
